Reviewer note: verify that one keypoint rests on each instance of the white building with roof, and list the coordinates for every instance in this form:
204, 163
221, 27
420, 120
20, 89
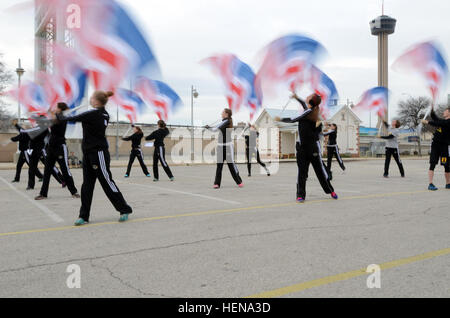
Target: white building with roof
345, 119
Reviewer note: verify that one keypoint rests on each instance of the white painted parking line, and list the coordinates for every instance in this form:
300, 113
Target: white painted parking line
181, 192
52, 215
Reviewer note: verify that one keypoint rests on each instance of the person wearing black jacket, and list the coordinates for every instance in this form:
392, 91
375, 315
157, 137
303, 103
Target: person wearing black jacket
225, 149
252, 149
24, 157
57, 152
136, 151
308, 146
332, 148
440, 147
37, 147
160, 151
96, 158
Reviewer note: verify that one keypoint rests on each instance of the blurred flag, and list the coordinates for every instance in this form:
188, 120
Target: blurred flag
239, 82
323, 86
375, 99
427, 60
112, 44
159, 96
32, 98
71, 77
287, 61
130, 103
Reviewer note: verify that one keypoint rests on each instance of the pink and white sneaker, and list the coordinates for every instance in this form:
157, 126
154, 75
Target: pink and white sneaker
216, 186
241, 185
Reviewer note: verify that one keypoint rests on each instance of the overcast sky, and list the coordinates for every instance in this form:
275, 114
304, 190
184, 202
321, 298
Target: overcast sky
184, 32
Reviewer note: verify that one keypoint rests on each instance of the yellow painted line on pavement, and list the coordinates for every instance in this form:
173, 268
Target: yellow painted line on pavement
344, 276
211, 212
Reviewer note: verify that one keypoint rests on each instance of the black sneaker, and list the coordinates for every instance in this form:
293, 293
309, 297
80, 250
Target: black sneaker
14, 181
40, 197
385, 175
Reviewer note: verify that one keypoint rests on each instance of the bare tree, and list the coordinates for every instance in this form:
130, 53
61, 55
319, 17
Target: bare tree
5, 79
411, 112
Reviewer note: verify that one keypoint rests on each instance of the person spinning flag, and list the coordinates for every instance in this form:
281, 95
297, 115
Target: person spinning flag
392, 147
136, 150
440, 146
332, 148
308, 146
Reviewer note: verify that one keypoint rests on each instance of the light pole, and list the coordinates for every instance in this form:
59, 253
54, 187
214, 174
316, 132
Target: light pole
194, 94
19, 71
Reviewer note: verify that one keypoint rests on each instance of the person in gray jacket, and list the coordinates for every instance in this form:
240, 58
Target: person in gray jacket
392, 147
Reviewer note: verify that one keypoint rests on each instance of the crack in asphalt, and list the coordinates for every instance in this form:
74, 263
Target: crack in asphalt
143, 250
205, 241
90, 259
124, 283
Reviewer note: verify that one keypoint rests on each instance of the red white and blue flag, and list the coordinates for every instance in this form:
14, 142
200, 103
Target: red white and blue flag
32, 98
239, 82
130, 103
158, 96
325, 87
68, 81
287, 61
427, 60
375, 99
114, 47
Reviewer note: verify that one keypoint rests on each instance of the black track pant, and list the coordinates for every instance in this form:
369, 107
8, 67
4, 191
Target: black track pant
226, 152
440, 151
306, 156
96, 166
33, 171
160, 154
57, 155
393, 152
24, 157
249, 153
133, 154
334, 151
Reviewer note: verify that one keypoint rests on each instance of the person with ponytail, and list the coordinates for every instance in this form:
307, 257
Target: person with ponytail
225, 149
136, 150
96, 158
57, 152
160, 151
308, 146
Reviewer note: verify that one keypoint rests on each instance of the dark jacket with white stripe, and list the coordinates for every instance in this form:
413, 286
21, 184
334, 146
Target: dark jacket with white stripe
22, 138
332, 136
135, 140
57, 135
38, 142
94, 124
158, 135
307, 130
225, 133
